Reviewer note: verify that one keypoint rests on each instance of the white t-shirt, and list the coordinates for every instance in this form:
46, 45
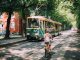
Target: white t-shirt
47, 37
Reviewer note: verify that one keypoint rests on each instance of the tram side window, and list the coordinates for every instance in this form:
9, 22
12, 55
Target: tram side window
33, 23
49, 26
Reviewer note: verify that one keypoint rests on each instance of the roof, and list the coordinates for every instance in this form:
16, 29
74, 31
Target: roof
55, 22
38, 17
45, 19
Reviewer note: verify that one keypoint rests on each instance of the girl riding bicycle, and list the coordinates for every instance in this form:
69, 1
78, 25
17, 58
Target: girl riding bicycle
47, 40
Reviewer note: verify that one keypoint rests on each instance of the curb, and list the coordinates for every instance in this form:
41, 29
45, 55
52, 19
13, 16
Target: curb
13, 42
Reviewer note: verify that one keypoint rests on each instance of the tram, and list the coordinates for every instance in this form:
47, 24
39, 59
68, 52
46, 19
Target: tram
37, 25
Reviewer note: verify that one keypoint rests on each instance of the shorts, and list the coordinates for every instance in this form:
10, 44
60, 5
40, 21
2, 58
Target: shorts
47, 43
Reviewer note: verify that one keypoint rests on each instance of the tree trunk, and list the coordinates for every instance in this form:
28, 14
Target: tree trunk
8, 26
78, 22
25, 14
23, 28
23, 23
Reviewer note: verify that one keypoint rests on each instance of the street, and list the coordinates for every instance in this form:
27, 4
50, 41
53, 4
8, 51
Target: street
64, 47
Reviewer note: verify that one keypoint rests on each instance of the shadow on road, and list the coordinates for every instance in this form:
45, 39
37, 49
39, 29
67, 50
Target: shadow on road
77, 45
72, 55
48, 57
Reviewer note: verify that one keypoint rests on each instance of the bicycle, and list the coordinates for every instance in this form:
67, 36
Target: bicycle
47, 49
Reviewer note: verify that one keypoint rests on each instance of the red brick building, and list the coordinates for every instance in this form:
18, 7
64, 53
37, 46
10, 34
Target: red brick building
15, 24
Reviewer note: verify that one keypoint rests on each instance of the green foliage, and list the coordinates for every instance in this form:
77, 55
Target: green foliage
62, 13
59, 10
76, 4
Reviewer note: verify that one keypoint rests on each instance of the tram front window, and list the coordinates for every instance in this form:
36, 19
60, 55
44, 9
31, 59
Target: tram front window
33, 23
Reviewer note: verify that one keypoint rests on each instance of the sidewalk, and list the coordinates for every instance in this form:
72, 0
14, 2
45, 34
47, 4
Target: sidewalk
13, 39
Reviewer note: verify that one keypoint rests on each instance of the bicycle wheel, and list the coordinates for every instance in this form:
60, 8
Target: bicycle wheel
46, 52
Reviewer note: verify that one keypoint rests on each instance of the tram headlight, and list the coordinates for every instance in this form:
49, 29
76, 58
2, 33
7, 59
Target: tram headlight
28, 33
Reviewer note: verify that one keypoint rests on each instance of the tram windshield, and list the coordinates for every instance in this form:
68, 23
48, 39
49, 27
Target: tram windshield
33, 23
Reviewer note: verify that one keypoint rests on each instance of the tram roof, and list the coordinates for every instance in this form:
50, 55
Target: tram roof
54, 22
38, 17
44, 19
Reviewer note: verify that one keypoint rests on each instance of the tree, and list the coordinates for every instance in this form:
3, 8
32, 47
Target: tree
24, 11
7, 5
12, 5
76, 10
61, 12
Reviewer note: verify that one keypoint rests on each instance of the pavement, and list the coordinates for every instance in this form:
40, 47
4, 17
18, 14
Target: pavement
65, 47
13, 39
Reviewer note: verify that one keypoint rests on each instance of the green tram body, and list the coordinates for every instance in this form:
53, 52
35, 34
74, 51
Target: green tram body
37, 30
